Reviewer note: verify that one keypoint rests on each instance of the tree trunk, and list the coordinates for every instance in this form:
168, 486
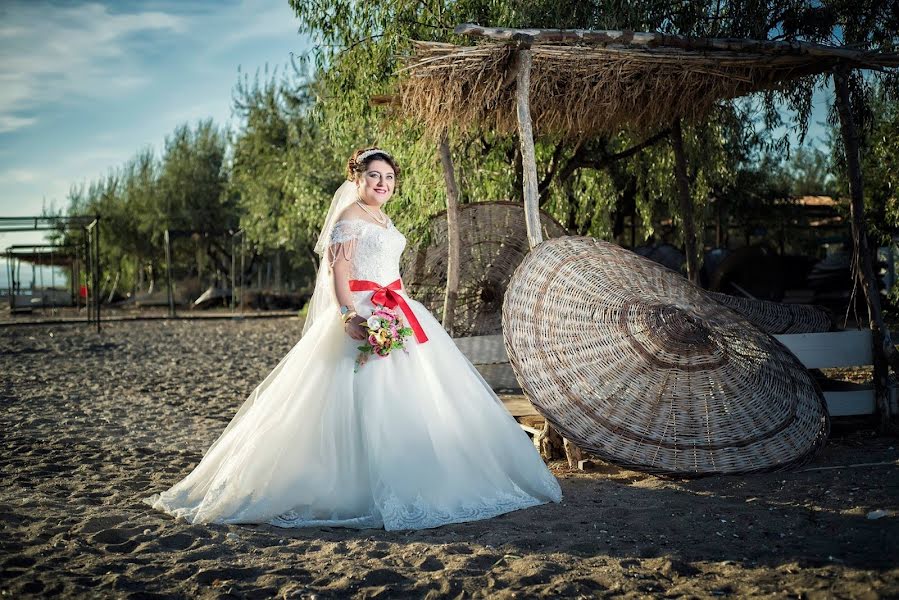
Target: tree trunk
452, 236
883, 349
686, 202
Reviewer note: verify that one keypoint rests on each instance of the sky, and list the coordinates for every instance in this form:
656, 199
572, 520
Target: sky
85, 85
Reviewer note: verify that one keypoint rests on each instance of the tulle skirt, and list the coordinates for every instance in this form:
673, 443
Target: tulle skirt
413, 440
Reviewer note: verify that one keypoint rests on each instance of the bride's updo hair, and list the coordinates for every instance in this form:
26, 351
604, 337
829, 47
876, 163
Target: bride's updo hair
356, 166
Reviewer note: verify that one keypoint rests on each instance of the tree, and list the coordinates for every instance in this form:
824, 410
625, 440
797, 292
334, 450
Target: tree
193, 201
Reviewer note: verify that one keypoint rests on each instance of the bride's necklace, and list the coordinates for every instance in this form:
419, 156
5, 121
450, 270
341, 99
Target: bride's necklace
382, 219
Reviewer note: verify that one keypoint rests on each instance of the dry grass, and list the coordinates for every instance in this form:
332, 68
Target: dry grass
582, 90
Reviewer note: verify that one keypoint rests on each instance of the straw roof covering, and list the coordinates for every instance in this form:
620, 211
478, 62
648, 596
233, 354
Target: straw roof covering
588, 83
629, 360
493, 243
59, 256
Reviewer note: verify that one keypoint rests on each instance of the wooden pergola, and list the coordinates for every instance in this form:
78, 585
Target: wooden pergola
574, 84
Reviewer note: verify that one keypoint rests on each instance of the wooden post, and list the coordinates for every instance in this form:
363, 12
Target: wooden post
243, 267
168, 273
686, 202
11, 279
883, 347
97, 298
547, 441
452, 236
526, 139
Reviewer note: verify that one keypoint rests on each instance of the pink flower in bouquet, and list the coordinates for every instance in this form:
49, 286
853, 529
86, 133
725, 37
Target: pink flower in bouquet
386, 333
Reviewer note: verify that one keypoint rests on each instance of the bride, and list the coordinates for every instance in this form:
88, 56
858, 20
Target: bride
412, 440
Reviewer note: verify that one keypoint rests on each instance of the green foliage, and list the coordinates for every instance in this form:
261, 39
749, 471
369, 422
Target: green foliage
284, 170
880, 164
274, 178
184, 191
359, 49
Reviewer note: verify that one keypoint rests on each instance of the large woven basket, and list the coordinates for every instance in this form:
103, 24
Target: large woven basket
493, 243
633, 363
777, 317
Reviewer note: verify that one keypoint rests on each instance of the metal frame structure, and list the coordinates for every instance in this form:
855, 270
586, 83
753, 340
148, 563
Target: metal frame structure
91, 251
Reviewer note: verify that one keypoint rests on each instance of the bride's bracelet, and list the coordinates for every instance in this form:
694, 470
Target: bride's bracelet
348, 316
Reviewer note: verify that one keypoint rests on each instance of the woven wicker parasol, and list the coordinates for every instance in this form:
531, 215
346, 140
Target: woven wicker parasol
493, 243
632, 362
777, 317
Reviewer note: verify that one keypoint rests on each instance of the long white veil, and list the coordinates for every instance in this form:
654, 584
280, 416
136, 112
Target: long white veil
323, 301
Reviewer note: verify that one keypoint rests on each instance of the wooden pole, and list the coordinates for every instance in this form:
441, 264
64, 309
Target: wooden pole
11, 281
548, 441
526, 140
883, 349
452, 236
168, 273
686, 202
97, 298
243, 266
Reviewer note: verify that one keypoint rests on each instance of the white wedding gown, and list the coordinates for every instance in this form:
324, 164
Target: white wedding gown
413, 440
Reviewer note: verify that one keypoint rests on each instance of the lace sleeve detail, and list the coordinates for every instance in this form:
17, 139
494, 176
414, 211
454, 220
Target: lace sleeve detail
343, 232
342, 243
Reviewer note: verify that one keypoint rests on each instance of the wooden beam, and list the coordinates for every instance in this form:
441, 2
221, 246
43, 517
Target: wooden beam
601, 37
526, 139
452, 235
882, 343
686, 201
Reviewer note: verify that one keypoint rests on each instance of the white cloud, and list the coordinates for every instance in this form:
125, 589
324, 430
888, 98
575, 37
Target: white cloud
12, 122
18, 176
51, 54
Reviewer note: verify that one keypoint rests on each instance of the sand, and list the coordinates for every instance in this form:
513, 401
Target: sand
94, 423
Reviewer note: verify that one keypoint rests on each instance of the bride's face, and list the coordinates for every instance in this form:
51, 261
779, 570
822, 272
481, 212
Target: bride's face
376, 184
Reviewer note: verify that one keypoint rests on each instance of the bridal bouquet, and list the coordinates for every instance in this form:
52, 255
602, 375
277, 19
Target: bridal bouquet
386, 333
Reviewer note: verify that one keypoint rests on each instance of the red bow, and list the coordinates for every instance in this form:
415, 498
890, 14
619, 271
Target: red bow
386, 296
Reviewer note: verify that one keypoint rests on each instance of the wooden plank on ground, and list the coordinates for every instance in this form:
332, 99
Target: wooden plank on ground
832, 349
851, 403
499, 377
483, 349
518, 406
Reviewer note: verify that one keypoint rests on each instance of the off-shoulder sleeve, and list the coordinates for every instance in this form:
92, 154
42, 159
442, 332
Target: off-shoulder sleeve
342, 243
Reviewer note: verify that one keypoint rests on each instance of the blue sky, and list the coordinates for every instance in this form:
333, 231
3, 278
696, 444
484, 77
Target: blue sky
85, 85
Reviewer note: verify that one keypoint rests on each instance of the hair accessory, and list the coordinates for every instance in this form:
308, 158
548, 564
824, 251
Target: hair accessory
371, 152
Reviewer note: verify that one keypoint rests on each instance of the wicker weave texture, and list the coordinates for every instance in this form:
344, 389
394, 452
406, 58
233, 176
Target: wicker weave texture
493, 243
632, 362
777, 317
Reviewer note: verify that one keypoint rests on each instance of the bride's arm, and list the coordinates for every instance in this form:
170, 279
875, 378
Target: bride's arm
339, 256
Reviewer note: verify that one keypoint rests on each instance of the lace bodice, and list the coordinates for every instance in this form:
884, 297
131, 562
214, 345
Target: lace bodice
376, 250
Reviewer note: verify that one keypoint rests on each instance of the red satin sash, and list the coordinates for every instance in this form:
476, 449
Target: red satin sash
386, 296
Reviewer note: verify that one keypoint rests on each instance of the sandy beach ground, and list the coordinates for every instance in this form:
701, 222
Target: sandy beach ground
92, 423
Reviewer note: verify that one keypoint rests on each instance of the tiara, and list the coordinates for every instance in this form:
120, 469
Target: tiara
371, 152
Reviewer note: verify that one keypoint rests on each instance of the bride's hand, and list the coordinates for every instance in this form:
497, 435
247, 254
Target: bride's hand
354, 329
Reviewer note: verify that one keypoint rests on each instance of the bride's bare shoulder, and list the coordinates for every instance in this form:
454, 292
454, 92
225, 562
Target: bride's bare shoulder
351, 212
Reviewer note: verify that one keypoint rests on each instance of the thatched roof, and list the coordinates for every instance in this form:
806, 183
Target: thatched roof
43, 254
587, 83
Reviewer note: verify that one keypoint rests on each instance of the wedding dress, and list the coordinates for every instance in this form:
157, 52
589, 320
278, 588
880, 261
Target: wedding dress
413, 440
